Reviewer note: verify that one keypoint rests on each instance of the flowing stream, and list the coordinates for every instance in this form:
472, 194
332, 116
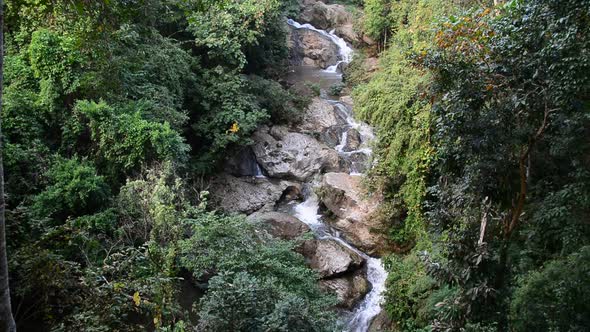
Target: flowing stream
360, 318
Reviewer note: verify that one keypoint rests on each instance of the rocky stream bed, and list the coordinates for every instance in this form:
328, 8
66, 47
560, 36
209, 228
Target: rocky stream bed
308, 177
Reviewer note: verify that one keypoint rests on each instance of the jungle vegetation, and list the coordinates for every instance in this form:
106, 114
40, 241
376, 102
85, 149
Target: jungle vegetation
482, 111
113, 111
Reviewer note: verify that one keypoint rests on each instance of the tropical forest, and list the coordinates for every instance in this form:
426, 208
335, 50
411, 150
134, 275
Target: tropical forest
295, 165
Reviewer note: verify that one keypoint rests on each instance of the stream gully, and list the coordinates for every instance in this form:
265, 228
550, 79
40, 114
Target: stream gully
360, 318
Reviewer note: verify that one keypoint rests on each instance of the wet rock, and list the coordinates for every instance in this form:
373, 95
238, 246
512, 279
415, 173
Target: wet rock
320, 117
382, 323
291, 193
347, 33
280, 225
316, 14
241, 162
353, 140
354, 212
286, 227
246, 194
356, 162
311, 48
332, 136
347, 100
333, 259
350, 290
289, 155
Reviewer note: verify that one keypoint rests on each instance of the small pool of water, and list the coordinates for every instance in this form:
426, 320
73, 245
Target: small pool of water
311, 74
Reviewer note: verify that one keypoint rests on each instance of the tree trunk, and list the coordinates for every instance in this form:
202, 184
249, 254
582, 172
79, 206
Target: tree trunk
6, 319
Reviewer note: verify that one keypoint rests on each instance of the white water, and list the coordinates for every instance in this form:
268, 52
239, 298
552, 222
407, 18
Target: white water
258, 171
360, 319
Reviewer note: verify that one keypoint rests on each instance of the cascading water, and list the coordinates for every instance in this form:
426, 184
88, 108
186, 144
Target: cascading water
370, 307
308, 211
258, 171
346, 51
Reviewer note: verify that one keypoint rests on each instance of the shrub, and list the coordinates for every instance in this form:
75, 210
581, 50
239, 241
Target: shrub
281, 104
408, 288
554, 298
336, 89
74, 189
121, 142
259, 283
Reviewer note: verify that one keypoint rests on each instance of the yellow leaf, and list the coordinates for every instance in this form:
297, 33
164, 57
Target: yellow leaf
157, 319
136, 299
234, 128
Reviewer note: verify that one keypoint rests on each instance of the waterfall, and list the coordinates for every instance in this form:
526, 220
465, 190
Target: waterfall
345, 51
258, 170
308, 211
376, 275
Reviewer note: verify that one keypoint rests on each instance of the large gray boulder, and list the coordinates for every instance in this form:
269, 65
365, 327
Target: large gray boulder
353, 140
354, 212
290, 155
349, 290
319, 115
330, 17
286, 227
325, 16
332, 259
280, 225
311, 48
321, 120
246, 194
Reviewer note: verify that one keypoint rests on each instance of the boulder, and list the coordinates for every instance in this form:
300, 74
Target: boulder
289, 155
286, 227
316, 14
311, 48
241, 162
291, 193
356, 162
330, 17
321, 120
353, 140
332, 136
382, 323
347, 100
349, 290
354, 212
280, 225
319, 116
325, 16
332, 259
347, 33
246, 194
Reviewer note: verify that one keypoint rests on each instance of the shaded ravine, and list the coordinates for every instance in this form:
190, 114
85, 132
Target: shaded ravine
361, 317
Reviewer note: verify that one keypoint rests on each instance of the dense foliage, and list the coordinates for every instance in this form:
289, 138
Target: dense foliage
482, 115
112, 109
